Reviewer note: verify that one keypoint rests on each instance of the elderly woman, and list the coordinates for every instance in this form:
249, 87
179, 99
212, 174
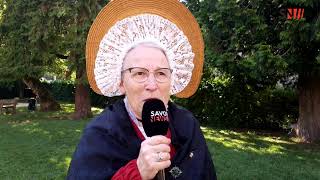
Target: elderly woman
148, 50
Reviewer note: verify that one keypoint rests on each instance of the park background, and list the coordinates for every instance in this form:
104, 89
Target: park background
258, 101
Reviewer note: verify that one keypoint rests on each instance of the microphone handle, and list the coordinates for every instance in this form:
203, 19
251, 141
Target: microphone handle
161, 175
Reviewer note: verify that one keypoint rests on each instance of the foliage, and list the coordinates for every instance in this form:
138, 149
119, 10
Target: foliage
224, 103
2, 7
8, 92
65, 91
28, 37
80, 15
241, 40
62, 91
250, 47
301, 41
41, 36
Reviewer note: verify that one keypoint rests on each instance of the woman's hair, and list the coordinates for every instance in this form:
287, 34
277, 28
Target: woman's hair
148, 44
145, 44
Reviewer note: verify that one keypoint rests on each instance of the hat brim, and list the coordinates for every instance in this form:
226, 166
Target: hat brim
172, 10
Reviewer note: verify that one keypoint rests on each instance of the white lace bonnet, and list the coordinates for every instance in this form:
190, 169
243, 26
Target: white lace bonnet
123, 24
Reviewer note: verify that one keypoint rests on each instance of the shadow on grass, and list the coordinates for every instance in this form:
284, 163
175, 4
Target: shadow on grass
38, 145
64, 114
246, 155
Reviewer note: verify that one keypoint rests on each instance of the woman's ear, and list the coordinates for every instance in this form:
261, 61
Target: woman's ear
122, 88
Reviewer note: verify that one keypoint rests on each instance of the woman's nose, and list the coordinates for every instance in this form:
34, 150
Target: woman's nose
151, 83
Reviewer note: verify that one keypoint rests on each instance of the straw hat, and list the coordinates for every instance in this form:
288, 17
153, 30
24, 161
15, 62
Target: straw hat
123, 24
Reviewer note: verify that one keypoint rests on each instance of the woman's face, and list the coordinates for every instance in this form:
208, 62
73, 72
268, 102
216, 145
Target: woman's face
152, 59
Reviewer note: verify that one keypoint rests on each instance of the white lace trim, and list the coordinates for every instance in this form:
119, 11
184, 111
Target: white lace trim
132, 31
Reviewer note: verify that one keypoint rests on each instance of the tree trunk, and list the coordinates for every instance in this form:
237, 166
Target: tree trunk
47, 102
21, 89
82, 102
82, 96
308, 128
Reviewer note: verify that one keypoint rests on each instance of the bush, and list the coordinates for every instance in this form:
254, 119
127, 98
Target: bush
65, 91
232, 105
62, 90
279, 107
10, 90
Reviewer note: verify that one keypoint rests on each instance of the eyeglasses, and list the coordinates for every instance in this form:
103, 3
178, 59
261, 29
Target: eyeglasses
141, 75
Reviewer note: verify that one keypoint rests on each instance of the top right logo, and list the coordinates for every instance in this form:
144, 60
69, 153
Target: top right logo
295, 13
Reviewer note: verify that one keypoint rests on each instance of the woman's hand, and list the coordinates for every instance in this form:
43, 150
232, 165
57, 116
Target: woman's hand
154, 155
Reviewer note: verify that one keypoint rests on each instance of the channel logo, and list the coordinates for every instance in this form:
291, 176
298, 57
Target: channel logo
295, 13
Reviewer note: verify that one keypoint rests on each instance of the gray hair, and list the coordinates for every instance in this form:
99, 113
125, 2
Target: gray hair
145, 44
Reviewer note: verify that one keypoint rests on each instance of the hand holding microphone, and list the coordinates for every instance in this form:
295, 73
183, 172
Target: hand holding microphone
154, 155
148, 161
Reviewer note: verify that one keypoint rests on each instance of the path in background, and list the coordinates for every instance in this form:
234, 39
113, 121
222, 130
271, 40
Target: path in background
25, 105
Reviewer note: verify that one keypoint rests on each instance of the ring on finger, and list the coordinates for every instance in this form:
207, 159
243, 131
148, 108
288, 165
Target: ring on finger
160, 156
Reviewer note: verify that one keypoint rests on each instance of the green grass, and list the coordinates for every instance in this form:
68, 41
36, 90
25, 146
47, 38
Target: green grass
248, 155
40, 145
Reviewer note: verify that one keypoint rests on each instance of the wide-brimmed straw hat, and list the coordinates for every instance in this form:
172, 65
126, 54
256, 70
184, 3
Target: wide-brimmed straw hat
123, 24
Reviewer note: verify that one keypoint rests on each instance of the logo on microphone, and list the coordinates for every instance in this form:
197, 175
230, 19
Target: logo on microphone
159, 116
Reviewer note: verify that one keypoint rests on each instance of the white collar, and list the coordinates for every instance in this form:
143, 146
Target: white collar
133, 117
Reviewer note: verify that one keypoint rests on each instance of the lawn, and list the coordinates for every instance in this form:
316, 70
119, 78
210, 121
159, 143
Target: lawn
40, 145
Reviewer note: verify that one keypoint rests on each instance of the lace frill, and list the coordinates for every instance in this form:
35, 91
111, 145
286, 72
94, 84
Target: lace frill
131, 31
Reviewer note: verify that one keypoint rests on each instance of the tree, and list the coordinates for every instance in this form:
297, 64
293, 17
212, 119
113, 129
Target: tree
74, 26
26, 45
48, 31
81, 14
254, 43
302, 41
